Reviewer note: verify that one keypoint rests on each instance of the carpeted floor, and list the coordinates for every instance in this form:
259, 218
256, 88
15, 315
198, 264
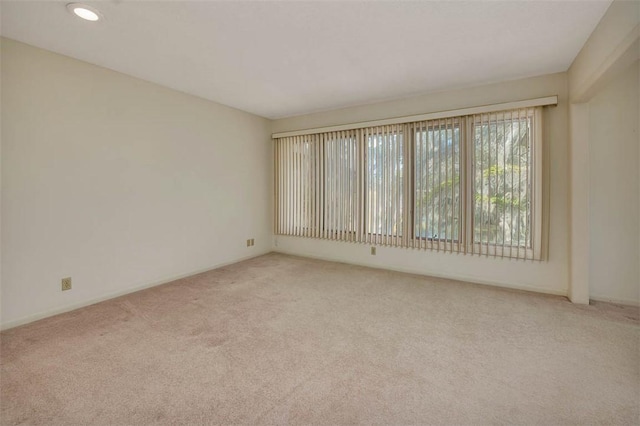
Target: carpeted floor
282, 339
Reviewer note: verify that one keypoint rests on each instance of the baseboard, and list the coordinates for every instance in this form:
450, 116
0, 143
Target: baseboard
457, 277
67, 308
627, 302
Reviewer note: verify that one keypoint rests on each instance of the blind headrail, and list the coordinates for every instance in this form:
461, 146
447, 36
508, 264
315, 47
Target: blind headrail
528, 103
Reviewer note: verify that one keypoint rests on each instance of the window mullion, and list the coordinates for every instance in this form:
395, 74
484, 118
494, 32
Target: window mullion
538, 182
407, 184
469, 189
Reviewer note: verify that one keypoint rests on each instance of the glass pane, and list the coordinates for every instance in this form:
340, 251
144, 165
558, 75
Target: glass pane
303, 168
340, 184
437, 182
384, 184
502, 182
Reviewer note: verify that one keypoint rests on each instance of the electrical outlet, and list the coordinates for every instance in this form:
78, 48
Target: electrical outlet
66, 284
248, 243
253, 242
373, 251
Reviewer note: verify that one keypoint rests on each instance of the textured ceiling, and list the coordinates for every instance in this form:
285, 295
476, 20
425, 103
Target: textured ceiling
278, 59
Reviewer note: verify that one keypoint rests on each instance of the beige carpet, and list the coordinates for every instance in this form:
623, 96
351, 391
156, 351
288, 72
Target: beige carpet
282, 339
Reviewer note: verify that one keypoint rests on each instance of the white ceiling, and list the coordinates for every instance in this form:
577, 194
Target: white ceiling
278, 59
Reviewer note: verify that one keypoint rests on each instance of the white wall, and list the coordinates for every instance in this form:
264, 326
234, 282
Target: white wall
614, 182
549, 276
119, 183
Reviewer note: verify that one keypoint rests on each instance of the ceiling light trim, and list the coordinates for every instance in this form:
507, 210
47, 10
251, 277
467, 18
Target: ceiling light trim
87, 13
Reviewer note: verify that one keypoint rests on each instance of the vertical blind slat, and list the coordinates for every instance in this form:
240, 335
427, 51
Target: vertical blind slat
452, 187
449, 186
519, 178
394, 187
292, 177
504, 185
495, 241
418, 165
512, 173
368, 186
420, 224
488, 239
360, 204
303, 192
432, 181
340, 186
308, 180
299, 197
345, 196
288, 187
532, 168
323, 201
527, 222
384, 193
294, 184
439, 187
378, 183
389, 184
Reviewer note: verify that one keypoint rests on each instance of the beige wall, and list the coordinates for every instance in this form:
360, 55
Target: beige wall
613, 45
604, 125
614, 209
549, 276
119, 183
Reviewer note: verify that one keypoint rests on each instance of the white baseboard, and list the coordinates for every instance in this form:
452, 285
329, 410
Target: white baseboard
49, 313
606, 299
457, 277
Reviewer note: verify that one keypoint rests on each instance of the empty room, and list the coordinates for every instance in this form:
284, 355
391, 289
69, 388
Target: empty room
320, 212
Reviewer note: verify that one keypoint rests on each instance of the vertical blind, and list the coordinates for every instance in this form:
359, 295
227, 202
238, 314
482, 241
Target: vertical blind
466, 184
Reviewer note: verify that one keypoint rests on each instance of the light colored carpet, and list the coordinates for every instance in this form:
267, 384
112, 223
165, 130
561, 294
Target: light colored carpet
282, 339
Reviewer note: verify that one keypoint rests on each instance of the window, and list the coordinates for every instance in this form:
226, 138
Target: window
437, 185
505, 158
465, 184
340, 186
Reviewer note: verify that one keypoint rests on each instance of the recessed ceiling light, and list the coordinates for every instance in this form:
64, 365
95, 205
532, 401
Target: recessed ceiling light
85, 12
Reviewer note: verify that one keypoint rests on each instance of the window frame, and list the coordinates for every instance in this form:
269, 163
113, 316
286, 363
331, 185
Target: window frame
534, 115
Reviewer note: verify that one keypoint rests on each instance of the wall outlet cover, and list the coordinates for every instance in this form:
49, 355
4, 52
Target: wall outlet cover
66, 284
